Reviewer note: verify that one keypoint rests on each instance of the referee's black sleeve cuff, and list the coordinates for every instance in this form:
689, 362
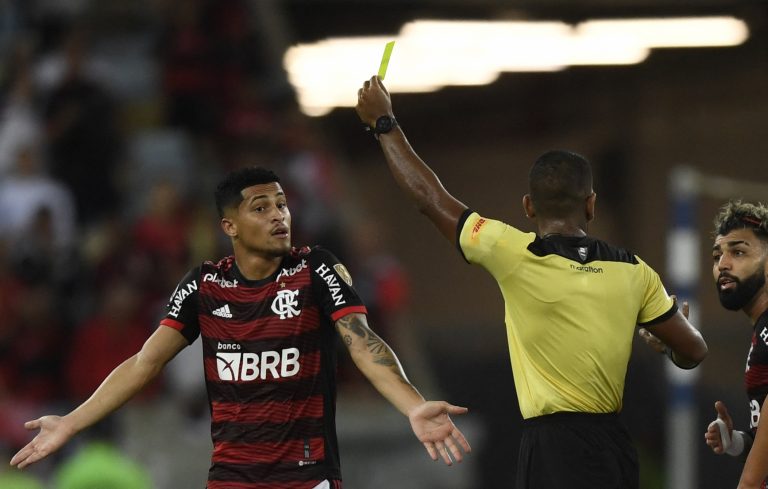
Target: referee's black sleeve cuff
459, 226
672, 311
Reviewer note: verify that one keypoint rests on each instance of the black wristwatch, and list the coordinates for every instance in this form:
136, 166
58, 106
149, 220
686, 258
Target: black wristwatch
383, 125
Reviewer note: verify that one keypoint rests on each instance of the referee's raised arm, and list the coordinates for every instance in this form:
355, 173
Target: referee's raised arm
416, 179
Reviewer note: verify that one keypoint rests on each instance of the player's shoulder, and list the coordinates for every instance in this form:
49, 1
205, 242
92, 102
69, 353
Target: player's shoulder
313, 254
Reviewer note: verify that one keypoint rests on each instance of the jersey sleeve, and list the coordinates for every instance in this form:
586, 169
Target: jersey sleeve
657, 305
480, 239
333, 283
181, 311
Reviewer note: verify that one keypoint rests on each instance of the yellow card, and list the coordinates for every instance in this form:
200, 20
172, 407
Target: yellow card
385, 59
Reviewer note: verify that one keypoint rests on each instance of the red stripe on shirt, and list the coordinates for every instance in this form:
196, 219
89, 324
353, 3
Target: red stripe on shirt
248, 453
348, 310
260, 328
270, 411
172, 323
244, 293
756, 376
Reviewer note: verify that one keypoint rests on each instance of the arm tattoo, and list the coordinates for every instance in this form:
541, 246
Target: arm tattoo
375, 345
353, 324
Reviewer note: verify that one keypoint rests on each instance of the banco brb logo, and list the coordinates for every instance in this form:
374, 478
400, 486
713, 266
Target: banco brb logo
252, 366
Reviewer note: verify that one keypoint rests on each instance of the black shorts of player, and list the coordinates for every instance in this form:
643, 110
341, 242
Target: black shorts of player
576, 451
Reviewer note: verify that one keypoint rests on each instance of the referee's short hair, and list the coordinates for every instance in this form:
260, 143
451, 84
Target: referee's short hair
558, 182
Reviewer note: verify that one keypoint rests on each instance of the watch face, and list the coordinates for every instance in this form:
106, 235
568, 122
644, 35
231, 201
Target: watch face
383, 124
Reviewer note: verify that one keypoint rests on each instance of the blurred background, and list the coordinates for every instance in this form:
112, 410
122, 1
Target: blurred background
119, 117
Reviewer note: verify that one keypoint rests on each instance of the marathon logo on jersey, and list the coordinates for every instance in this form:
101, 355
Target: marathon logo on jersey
333, 283
178, 296
290, 272
221, 282
234, 365
587, 268
286, 304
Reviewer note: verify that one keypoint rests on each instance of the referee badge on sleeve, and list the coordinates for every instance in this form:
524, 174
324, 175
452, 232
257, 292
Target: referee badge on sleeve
342, 272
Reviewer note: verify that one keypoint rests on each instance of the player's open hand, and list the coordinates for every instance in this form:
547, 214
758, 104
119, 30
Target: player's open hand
54, 432
431, 422
373, 101
712, 435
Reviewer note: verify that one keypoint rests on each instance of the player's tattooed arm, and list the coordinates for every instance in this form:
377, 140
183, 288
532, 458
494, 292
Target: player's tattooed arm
366, 345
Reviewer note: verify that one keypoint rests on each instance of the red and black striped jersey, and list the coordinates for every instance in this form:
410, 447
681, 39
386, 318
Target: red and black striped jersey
269, 351
756, 375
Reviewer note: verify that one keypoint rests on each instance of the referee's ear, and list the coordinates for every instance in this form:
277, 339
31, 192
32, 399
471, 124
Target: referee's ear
528, 208
589, 207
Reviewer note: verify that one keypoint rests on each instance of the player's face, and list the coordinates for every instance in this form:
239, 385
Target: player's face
263, 221
739, 268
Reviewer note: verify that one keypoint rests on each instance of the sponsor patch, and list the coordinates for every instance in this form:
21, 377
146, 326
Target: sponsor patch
478, 225
342, 271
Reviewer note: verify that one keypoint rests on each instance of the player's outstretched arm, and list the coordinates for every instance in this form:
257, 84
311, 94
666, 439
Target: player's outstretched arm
687, 346
123, 383
411, 173
756, 468
430, 420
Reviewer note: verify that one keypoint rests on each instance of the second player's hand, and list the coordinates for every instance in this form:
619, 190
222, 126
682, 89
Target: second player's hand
652, 341
712, 435
54, 432
432, 424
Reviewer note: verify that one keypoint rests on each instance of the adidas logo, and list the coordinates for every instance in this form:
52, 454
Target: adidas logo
222, 312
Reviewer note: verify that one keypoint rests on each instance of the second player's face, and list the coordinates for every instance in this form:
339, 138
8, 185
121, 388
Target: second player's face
263, 220
739, 267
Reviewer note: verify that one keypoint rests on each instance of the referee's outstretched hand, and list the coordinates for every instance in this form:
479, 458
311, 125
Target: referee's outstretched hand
432, 425
373, 101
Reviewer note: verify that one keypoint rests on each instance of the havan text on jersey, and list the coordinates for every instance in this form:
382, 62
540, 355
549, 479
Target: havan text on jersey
333, 283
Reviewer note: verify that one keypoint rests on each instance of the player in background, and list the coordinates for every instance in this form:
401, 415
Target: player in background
740, 266
572, 305
267, 317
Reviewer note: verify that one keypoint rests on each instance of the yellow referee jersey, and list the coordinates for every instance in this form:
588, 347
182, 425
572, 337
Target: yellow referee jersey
571, 308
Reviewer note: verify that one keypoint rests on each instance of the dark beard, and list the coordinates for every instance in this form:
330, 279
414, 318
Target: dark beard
743, 293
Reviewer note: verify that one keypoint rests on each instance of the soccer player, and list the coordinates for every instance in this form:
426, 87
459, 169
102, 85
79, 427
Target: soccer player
740, 266
572, 303
267, 317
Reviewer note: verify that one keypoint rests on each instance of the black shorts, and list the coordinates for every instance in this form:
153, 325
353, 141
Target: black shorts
576, 451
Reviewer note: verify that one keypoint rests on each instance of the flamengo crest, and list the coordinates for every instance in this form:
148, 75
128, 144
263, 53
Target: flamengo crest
286, 304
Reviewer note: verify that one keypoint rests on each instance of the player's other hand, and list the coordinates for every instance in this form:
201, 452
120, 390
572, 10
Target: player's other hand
373, 101
432, 424
712, 435
54, 432
652, 340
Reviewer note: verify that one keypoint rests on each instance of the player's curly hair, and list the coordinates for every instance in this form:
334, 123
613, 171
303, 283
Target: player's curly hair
742, 215
228, 192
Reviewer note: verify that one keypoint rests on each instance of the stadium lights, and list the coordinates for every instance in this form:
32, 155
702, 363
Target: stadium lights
431, 54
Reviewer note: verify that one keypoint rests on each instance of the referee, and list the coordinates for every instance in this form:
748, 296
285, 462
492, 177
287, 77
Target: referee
572, 304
